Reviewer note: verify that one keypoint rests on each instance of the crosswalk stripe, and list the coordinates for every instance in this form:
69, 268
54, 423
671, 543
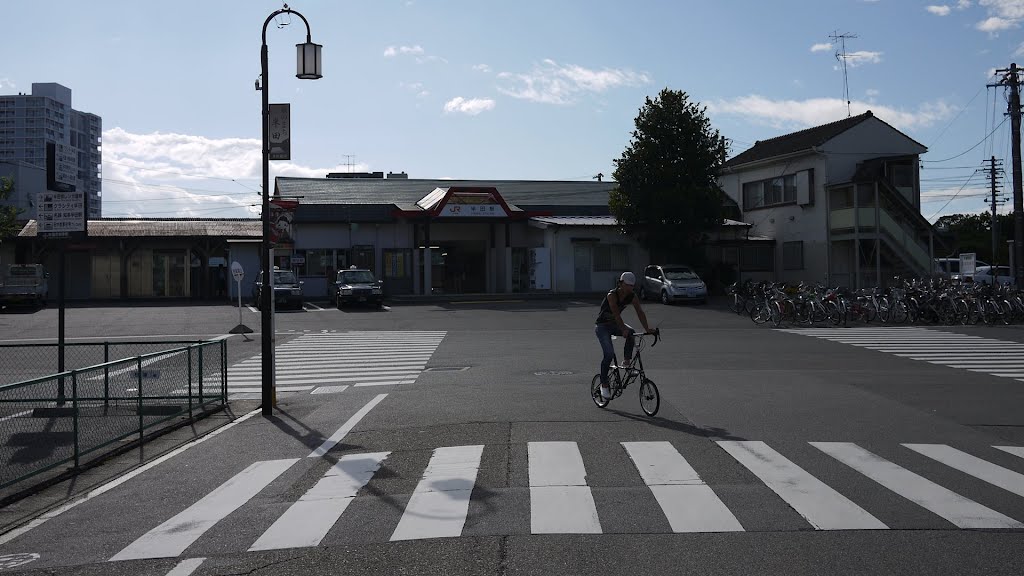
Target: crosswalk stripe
689, 504
819, 504
186, 567
440, 503
961, 511
987, 471
979, 354
175, 535
560, 500
309, 519
329, 389
1015, 450
346, 427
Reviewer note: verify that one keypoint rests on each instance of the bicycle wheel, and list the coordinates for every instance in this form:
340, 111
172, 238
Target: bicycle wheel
650, 400
595, 392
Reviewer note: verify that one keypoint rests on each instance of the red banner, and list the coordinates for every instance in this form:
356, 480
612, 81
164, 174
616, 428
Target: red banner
282, 213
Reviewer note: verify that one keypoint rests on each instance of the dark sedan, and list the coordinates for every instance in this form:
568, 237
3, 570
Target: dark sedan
357, 286
287, 290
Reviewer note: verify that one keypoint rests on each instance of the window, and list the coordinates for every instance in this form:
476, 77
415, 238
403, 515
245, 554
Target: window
611, 257
793, 255
758, 258
771, 192
397, 263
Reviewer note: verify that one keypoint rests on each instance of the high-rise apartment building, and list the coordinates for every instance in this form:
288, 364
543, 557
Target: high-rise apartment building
27, 123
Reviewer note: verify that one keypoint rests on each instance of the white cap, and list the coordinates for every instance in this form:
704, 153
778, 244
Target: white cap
627, 278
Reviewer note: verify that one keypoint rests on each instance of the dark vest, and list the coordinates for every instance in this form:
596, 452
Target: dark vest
605, 316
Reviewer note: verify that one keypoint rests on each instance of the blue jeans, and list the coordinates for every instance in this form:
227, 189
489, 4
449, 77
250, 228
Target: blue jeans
604, 336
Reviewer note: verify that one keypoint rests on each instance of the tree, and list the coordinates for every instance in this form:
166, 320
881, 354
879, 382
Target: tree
973, 233
8, 214
667, 195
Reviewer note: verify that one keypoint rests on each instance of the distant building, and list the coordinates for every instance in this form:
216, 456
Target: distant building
27, 123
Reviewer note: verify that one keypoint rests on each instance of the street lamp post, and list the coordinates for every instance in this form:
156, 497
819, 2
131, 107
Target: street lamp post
308, 67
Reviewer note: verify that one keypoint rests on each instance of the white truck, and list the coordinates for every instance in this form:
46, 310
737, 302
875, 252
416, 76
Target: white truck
24, 284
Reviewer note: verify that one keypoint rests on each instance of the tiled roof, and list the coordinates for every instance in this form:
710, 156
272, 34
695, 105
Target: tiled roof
167, 227
804, 140
404, 193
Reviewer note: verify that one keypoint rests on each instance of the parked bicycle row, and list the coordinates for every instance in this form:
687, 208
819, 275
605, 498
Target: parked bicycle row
905, 301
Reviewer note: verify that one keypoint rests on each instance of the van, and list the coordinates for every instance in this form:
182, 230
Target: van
24, 284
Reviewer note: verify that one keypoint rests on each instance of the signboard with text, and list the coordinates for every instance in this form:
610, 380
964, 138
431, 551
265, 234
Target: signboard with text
280, 132
61, 209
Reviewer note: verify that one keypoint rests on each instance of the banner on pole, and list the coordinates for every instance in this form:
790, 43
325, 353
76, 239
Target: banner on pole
282, 212
280, 132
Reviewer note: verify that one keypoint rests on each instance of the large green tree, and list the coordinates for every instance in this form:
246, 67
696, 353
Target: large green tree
973, 233
667, 195
8, 214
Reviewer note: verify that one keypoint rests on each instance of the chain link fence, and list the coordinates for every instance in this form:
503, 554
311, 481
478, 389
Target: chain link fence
80, 414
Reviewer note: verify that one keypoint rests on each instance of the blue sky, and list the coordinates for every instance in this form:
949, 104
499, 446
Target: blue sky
544, 90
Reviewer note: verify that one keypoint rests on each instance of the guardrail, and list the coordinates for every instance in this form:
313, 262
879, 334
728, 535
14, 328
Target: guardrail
72, 416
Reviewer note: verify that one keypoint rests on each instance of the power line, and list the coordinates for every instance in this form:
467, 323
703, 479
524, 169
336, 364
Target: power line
972, 147
954, 195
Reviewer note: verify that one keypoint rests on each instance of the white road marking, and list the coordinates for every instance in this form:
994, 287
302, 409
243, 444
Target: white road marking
440, 503
386, 383
329, 389
560, 500
689, 504
8, 536
346, 427
819, 504
175, 535
309, 519
186, 567
1015, 450
961, 511
993, 474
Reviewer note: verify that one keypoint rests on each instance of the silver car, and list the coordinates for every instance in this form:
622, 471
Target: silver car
672, 282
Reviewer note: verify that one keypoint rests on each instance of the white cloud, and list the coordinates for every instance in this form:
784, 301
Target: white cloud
963, 4
553, 83
939, 10
392, 51
871, 92
995, 24
482, 68
1020, 50
6, 83
472, 106
1003, 15
179, 175
797, 114
861, 57
821, 47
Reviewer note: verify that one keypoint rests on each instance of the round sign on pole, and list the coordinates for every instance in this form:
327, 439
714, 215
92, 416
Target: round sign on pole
237, 271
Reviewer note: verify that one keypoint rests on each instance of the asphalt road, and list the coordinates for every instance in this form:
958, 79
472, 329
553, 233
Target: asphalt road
459, 438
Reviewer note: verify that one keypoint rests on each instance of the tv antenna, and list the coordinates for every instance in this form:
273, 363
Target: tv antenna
350, 165
842, 56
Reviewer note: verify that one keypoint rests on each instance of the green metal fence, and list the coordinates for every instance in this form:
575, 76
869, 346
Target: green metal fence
80, 414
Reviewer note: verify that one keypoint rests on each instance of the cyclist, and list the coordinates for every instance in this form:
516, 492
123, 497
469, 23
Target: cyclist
609, 323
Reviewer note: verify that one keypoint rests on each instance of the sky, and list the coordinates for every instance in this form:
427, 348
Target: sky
524, 90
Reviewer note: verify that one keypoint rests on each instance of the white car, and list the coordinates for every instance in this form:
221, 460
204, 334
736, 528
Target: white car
672, 282
986, 274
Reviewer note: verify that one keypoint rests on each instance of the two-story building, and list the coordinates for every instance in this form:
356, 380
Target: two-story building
841, 201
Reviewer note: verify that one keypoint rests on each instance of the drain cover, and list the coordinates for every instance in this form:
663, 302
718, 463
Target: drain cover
554, 373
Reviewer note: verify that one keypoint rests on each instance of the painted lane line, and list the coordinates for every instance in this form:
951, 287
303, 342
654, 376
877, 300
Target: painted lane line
309, 519
823, 507
993, 474
346, 427
689, 504
8, 536
1015, 450
560, 499
175, 535
329, 389
186, 567
385, 383
440, 503
961, 511
17, 415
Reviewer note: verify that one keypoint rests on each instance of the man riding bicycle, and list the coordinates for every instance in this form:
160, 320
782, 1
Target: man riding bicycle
609, 323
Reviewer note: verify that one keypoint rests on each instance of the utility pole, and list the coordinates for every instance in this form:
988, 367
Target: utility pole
995, 169
1011, 79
